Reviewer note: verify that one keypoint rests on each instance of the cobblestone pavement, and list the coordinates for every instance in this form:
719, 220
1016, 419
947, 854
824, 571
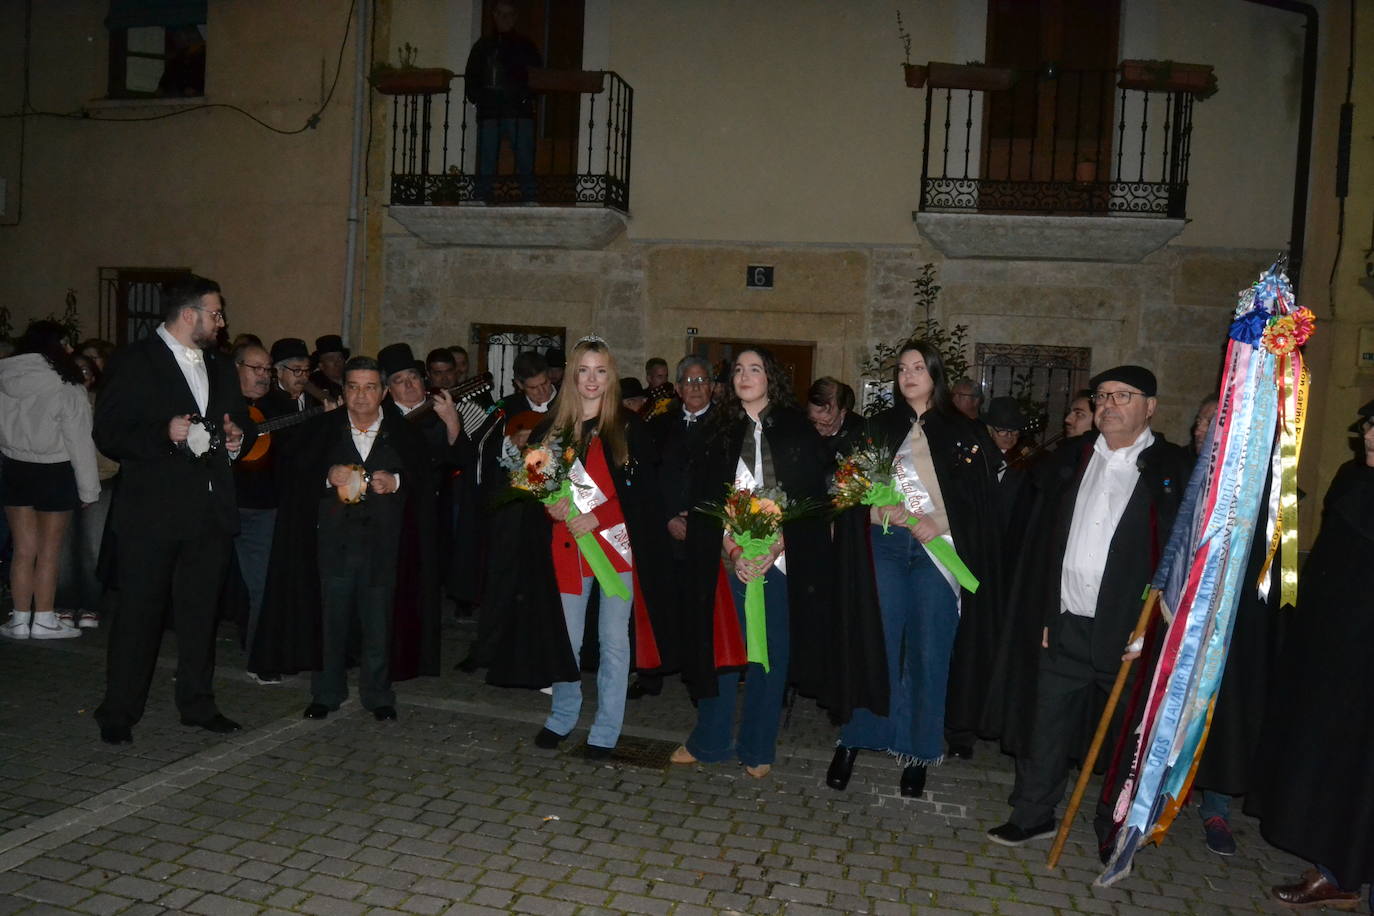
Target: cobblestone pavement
453, 810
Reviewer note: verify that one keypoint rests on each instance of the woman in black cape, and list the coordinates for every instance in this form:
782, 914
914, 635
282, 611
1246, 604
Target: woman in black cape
922, 681
758, 434
548, 585
1314, 789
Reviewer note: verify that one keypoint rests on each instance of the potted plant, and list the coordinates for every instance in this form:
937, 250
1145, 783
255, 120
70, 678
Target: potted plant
1169, 76
1085, 172
973, 75
914, 74
408, 79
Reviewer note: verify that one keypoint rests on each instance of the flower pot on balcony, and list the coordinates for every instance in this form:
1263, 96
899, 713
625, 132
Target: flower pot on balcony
915, 75
1168, 76
1085, 172
978, 77
411, 80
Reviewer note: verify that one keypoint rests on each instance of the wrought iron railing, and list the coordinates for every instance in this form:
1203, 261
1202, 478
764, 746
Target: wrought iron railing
574, 150
1069, 142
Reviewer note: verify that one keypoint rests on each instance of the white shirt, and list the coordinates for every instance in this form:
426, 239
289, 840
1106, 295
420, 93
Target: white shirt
191, 362
693, 416
363, 438
1107, 484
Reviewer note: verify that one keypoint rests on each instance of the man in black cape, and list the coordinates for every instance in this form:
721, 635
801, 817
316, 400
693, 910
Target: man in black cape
288, 639
1314, 786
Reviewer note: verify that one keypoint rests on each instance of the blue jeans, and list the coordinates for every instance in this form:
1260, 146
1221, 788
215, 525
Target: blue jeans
612, 675
519, 133
920, 620
763, 691
254, 548
1215, 804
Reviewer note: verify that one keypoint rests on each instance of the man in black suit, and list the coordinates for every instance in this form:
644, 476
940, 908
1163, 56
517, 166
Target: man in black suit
172, 415
1110, 507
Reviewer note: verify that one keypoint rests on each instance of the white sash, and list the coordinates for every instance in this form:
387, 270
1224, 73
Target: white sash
586, 496
744, 480
917, 500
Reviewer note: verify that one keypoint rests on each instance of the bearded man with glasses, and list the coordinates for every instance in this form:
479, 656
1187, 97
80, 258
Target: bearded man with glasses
173, 416
1107, 504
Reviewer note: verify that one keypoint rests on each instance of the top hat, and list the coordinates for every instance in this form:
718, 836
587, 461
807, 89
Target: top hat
397, 357
330, 343
289, 348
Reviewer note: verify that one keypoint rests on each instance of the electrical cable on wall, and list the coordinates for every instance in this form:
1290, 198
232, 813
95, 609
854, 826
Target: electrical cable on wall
27, 111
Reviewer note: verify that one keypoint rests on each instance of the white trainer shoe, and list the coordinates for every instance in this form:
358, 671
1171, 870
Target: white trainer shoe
16, 627
57, 630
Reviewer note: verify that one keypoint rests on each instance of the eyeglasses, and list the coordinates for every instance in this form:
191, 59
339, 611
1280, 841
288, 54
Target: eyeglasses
1005, 432
696, 380
294, 371
252, 368
1115, 397
216, 314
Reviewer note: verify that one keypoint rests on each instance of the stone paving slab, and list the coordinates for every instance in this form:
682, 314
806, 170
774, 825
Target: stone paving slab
453, 810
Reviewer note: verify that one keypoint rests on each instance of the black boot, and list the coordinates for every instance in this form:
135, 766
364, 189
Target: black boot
913, 781
841, 768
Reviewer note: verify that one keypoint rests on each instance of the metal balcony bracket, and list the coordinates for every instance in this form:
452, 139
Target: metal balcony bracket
1119, 239
587, 228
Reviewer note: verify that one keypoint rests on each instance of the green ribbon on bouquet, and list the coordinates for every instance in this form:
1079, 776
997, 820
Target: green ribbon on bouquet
755, 617
591, 548
885, 494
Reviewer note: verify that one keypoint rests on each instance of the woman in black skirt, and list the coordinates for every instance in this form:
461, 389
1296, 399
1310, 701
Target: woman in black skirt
49, 469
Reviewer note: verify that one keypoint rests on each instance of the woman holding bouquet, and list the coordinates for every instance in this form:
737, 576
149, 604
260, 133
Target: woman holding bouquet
757, 439
602, 527
942, 476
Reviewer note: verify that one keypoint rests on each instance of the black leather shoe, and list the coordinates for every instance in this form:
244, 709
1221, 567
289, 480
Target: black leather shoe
116, 734
645, 687
316, 711
913, 781
1313, 889
841, 768
1009, 834
216, 723
547, 739
384, 714
962, 751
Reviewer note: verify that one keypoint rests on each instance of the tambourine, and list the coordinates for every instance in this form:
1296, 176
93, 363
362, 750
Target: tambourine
356, 488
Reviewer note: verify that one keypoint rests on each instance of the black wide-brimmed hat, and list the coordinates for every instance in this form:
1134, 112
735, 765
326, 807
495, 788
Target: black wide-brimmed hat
330, 343
1005, 413
555, 359
1366, 414
1138, 377
398, 357
631, 388
289, 348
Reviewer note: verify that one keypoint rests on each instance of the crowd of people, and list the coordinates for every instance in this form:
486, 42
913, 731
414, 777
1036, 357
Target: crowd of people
333, 505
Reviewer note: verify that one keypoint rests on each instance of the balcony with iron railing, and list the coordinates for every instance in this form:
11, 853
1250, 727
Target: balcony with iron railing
1038, 150
567, 153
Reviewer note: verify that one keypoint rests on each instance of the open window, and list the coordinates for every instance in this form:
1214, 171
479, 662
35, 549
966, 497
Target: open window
157, 48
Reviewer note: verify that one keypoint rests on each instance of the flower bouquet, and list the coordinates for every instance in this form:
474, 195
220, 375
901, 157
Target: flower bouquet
544, 471
871, 476
753, 518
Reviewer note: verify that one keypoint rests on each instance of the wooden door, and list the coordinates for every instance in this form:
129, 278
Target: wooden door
1056, 124
796, 357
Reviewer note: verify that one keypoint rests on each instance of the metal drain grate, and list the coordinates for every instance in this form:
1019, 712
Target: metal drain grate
649, 753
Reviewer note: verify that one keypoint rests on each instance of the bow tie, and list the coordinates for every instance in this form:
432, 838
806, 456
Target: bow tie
193, 355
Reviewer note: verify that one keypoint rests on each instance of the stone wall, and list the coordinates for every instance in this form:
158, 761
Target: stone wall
1169, 312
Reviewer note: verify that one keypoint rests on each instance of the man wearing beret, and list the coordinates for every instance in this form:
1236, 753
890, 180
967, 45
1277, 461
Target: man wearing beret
1107, 507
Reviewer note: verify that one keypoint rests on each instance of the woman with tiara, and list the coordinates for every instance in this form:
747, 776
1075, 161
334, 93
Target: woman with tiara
614, 498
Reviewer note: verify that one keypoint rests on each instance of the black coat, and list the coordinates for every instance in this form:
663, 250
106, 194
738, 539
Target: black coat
144, 389
965, 461
288, 635
803, 471
1314, 786
1034, 597
533, 649
679, 446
